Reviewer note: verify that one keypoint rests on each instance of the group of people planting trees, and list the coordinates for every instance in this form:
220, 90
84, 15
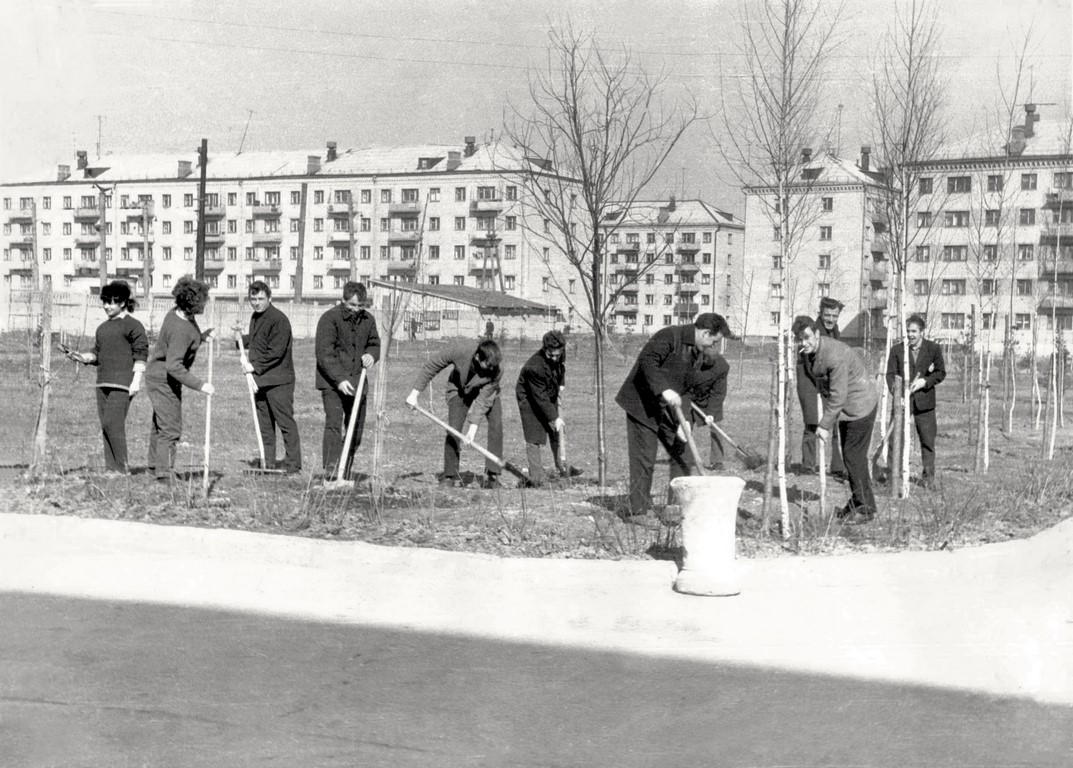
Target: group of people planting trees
677, 383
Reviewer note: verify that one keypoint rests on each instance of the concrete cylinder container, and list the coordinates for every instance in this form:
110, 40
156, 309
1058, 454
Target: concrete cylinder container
709, 506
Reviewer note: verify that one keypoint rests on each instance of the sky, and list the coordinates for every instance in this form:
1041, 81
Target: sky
146, 76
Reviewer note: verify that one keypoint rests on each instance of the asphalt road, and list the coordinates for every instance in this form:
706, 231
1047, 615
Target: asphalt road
87, 683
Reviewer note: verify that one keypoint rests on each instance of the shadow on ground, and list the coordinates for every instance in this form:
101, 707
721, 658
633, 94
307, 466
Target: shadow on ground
97, 683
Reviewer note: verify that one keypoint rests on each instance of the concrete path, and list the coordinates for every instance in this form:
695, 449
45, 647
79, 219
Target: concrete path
274, 650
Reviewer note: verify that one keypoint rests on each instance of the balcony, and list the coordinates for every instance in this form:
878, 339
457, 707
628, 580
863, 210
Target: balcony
687, 247
404, 209
85, 268
21, 271
130, 273
87, 241
410, 237
1063, 302
87, 214
22, 241
215, 212
627, 309
214, 238
1063, 266
480, 270
266, 212
214, 266
485, 241
628, 247
270, 267
881, 242
339, 267
1057, 197
688, 267
21, 215
486, 207
686, 309
405, 269
131, 212
340, 211
1053, 230
268, 238
341, 236
878, 275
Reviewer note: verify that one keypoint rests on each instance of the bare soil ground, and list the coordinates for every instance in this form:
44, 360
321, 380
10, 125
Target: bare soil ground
1019, 495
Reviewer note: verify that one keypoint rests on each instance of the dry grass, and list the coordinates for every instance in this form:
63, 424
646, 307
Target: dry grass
1019, 496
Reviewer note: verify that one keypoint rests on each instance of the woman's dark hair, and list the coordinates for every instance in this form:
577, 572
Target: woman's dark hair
489, 356
190, 295
119, 292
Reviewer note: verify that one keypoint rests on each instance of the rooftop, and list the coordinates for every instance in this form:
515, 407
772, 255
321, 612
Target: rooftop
676, 213
488, 302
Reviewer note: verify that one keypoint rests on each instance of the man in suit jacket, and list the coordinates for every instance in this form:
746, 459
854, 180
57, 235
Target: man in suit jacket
346, 342
808, 390
849, 405
537, 391
708, 392
472, 395
664, 371
928, 369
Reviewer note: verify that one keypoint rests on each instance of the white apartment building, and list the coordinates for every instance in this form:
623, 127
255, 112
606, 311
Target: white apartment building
994, 233
840, 249
669, 261
432, 214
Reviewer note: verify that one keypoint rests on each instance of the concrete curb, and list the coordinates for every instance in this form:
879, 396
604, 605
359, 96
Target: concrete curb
997, 619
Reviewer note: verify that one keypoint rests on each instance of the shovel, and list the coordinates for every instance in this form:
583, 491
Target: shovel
208, 430
752, 459
251, 386
689, 439
340, 480
503, 463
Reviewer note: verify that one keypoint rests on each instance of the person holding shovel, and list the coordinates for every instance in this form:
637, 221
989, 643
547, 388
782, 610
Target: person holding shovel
269, 359
347, 342
539, 384
665, 370
119, 351
809, 389
472, 395
168, 372
708, 392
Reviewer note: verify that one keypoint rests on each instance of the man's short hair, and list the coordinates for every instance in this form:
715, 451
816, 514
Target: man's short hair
259, 286
713, 323
352, 287
828, 303
489, 354
553, 340
801, 322
917, 320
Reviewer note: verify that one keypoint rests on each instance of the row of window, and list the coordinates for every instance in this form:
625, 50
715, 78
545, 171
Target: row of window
650, 279
1025, 252
957, 287
634, 238
992, 217
957, 321
340, 252
630, 299
212, 199
668, 258
995, 182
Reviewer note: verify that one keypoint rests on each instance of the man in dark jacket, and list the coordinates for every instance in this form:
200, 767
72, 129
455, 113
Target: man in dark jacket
268, 358
849, 409
664, 371
347, 343
809, 390
928, 369
539, 383
708, 392
472, 395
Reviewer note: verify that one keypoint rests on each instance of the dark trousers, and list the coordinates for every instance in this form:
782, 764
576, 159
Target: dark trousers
536, 464
112, 407
856, 439
717, 454
275, 408
338, 408
457, 410
167, 399
642, 444
810, 453
927, 428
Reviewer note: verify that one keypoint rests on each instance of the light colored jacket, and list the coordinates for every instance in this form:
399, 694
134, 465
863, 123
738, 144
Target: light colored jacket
851, 395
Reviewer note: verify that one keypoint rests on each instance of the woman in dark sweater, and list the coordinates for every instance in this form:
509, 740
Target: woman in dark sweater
169, 370
120, 352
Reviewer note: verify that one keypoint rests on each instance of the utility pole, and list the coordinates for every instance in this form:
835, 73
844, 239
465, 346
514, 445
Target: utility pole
350, 225
100, 124
102, 261
299, 270
147, 261
35, 270
199, 262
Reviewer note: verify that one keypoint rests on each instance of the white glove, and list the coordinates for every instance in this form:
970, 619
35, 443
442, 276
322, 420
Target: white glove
346, 388
247, 366
671, 398
709, 420
367, 361
823, 434
470, 434
558, 425
208, 389
411, 399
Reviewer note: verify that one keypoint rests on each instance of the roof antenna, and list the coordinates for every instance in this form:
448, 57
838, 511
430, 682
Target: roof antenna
243, 141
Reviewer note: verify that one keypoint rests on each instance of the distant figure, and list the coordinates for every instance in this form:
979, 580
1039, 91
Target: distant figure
119, 352
489, 330
413, 329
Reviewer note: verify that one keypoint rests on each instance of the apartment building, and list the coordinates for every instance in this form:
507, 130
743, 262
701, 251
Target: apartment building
840, 247
305, 222
994, 233
668, 261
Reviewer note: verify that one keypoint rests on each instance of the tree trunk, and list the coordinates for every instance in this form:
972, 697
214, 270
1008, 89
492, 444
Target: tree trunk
772, 446
601, 407
1044, 439
40, 445
894, 467
906, 381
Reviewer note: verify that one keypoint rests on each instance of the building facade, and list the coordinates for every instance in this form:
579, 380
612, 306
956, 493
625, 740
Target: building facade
839, 248
667, 261
303, 222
